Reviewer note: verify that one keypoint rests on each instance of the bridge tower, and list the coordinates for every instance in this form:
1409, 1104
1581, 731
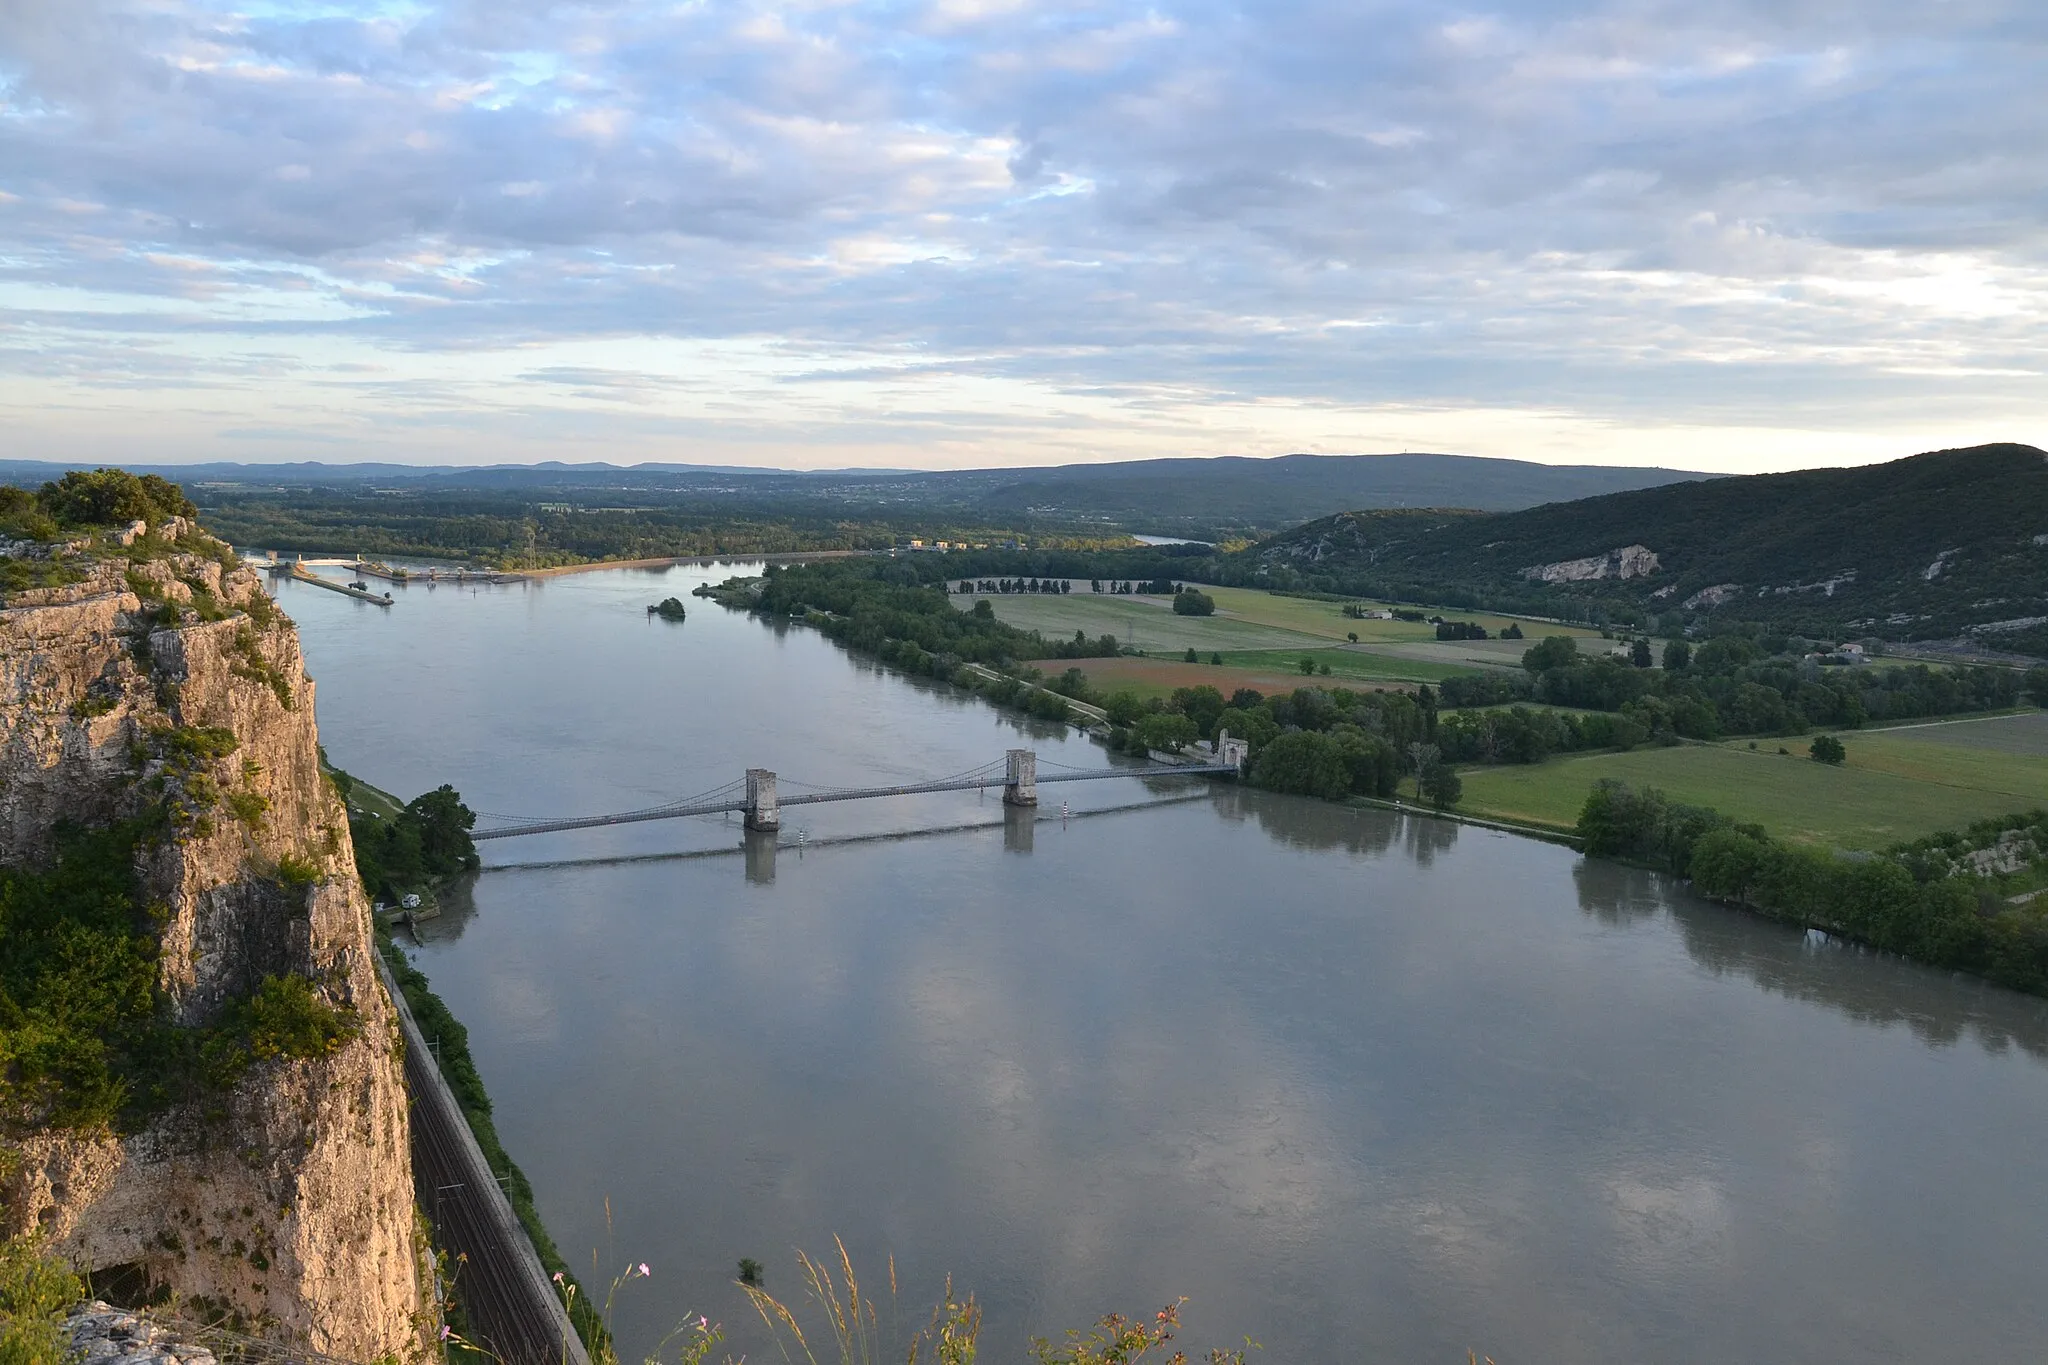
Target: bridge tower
1232, 751
1020, 778
762, 811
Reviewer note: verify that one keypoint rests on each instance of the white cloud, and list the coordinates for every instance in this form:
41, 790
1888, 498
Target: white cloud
1552, 230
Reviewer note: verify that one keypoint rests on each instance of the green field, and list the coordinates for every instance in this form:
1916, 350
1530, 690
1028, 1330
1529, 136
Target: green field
1140, 622
1354, 662
1328, 619
1249, 622
1896, 785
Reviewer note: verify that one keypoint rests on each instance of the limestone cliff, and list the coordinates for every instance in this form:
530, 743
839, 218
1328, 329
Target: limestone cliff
1626, 561
286, 1197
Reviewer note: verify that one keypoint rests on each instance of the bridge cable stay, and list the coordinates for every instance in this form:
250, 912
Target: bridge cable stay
729, 788
993, 771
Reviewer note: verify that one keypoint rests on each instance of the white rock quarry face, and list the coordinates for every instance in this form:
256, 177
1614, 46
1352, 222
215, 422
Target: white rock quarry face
291, 1202
1623, 562
1711, 597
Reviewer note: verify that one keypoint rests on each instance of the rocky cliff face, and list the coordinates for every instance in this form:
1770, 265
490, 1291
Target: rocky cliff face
1627, 561
287, 1198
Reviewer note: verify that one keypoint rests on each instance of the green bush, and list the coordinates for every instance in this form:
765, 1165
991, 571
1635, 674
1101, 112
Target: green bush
23, 518
284, 1018
84, 1039
112, 497
1826, 749
295, 873
1047, 705
36, 1291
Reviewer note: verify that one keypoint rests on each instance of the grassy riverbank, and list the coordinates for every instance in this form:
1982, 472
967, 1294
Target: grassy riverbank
1894, 785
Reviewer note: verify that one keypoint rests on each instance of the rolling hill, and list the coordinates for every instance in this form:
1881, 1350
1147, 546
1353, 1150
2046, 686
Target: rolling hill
1201, 499
1947, 545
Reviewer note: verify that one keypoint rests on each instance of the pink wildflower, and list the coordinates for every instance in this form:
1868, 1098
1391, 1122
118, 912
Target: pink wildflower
644, 1271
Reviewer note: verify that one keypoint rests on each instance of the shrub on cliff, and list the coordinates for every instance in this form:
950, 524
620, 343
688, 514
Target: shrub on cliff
36, 1290
84, 1042
112, 497
22, 517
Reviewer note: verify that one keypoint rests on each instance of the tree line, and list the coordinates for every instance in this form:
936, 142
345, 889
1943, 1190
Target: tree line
883, 608
1729, 686
1920, 900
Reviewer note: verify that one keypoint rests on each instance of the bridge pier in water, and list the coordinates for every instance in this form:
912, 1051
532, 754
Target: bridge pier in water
759, 851
1020, 828
763, 813
1020, 778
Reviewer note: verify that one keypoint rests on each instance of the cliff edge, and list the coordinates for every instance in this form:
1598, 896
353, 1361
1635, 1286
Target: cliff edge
229, 1118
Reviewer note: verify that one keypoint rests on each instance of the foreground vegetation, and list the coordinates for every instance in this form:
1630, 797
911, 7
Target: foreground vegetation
36, 1292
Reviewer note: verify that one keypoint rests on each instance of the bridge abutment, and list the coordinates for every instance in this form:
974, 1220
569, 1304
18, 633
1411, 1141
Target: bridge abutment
763, 814
1020, 778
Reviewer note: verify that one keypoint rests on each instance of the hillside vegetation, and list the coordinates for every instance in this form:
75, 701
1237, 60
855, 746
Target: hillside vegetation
1934, 547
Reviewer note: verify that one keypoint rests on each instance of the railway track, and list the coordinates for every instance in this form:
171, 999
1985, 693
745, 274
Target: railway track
511, 1305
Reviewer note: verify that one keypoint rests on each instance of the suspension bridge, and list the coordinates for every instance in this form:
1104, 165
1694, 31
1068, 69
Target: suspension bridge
757, 795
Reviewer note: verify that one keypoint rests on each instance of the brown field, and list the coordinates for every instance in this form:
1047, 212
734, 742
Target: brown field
1159, 677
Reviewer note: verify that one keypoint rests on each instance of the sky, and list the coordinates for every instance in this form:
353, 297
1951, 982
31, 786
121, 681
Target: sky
1733, 235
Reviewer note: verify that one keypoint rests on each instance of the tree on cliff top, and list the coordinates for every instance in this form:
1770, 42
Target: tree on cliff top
110, 497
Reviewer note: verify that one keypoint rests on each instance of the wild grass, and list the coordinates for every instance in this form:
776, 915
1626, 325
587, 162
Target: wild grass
846, 1326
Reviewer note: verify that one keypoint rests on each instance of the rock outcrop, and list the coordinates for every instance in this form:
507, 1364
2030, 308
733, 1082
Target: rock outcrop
285, 1199
1627, 561
105, 1335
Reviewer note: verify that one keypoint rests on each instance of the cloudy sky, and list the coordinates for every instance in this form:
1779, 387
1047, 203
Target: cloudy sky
1723, 234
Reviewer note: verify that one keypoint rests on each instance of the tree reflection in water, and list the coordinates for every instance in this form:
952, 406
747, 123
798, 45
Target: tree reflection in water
1870, 987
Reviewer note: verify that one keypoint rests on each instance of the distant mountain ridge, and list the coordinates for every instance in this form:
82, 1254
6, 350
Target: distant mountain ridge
1202, 498
1948, 544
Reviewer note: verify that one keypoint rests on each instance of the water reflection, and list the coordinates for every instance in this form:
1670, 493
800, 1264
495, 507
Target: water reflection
1940, 1007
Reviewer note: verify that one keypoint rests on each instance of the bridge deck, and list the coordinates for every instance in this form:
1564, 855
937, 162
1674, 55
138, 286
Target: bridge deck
738, 803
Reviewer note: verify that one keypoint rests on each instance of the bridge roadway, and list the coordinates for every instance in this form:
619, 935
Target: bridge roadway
727, 804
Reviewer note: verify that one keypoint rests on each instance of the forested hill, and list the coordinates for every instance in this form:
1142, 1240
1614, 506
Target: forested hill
1938, 546
1219, 495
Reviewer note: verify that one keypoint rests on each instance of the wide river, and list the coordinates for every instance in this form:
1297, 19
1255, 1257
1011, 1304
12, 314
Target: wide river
1363, 1087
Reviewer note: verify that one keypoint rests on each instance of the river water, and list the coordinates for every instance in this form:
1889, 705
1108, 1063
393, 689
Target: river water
1364, 1087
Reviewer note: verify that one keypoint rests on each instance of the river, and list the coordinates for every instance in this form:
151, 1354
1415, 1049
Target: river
1364, 1087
